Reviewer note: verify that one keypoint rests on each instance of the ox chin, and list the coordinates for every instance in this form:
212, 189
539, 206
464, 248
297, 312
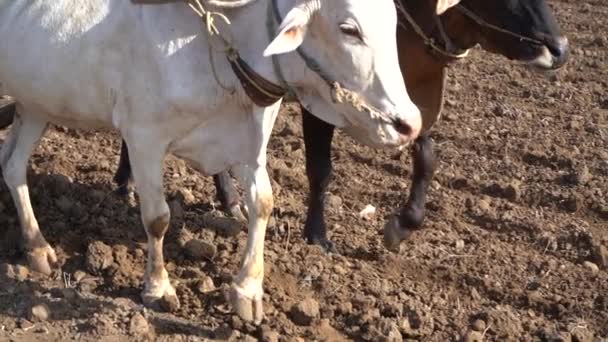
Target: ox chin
546, 60
383, 137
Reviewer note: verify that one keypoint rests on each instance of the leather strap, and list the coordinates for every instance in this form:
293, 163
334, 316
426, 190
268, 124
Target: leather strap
261, 91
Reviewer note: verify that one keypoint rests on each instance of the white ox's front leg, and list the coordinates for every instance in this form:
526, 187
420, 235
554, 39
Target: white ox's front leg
247, 292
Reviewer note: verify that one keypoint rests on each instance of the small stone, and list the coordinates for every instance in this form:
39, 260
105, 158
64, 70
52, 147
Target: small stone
390, 331
187, 196
600, 254
79, 275
169, 303
200, 250
346, 308
24, 324
591, 267
368, 212
334, 202
474, 294
305, 312
459, 245
8, 270
479, 325
270, 336
249, 338
483, 205
582, 176
39, 313
205, 285
21, 272
99, 257
339, 270
138, 325
582, 334
472, 336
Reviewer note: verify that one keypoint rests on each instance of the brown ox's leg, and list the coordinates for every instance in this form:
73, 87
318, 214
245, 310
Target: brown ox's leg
123, 173
411, 216
7, 111
317, 141
229, 196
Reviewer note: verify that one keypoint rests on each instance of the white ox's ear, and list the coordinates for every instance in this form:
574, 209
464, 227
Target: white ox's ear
444, 5
291, 32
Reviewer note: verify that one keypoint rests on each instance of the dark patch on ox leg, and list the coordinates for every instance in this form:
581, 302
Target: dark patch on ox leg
226, 191
123, 173
158, 227
317, 139
412, 214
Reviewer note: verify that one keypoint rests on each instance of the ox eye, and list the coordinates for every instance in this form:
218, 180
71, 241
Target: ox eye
351, 30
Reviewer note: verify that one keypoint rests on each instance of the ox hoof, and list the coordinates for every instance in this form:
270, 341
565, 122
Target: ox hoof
167, 302
42, 259
394, 234
240, 214
250, 310
326, 244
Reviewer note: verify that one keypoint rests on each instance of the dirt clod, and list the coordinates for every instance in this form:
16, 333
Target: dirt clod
21, 272
600, 255
591, 267
304, 312
99, 257
479, 325
200, 250
39, 313
205, 285
138, 326
169, 303
472, 336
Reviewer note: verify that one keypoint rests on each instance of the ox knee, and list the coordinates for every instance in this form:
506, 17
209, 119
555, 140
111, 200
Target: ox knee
158, 226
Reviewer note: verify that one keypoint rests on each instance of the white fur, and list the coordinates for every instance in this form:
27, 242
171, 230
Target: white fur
145, 71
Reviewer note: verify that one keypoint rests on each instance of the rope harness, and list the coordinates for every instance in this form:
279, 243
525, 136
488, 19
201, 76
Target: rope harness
263, 92
449, 49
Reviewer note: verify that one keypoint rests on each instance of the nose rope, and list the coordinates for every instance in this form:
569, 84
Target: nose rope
477, 19
339, 94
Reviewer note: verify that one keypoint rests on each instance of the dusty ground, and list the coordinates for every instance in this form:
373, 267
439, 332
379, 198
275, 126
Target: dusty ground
514, 245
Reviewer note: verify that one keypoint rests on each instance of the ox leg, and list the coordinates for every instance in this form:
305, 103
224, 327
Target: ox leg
317, 141
24, 137
123, 173
246, 293
147, 166
229, 196
411, 216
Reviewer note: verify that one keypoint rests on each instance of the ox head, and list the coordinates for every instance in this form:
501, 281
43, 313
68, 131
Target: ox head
523, 30
351, 43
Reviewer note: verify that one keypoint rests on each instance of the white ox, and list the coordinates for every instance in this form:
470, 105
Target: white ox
145, 70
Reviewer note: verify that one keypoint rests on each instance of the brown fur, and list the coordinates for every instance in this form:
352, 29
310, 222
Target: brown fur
158, 227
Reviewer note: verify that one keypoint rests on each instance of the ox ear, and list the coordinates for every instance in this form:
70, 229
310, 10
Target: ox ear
444, 5
291, 33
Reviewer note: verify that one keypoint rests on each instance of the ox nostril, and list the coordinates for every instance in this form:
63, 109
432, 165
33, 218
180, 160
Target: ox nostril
402, 127
558, 47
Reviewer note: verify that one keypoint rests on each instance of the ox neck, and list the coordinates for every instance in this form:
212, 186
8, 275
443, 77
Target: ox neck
274, 18
445, 50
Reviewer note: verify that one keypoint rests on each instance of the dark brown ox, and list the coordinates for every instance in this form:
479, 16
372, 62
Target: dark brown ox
522, 30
